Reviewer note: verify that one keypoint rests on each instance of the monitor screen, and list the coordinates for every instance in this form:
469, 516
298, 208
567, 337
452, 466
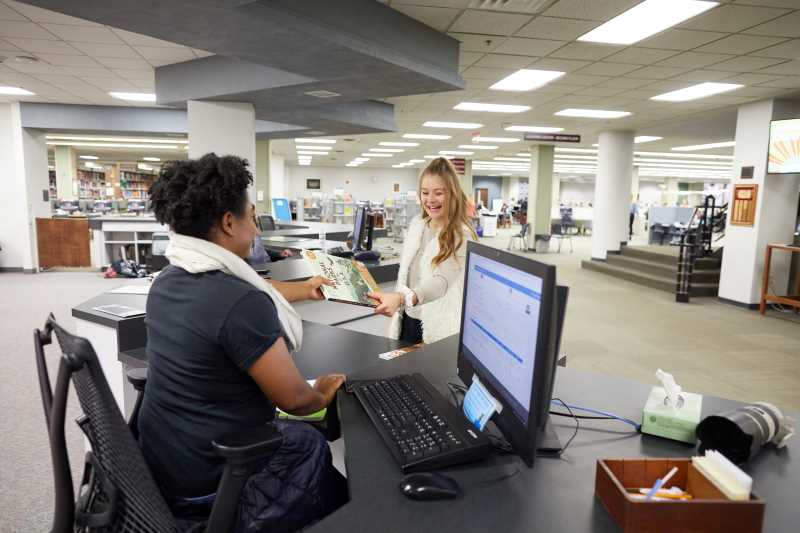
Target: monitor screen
784, 147
502, 308
359, 227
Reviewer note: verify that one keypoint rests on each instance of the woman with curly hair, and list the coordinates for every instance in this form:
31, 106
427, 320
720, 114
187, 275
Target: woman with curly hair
427, 304
219, 343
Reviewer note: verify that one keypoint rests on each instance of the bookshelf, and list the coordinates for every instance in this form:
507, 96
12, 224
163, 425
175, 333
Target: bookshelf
92, 185
134, 185
53, 187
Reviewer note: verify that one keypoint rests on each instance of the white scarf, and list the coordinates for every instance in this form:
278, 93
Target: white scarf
199, 255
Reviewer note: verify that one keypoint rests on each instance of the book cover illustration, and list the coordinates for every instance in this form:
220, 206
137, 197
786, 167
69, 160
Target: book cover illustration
352, 281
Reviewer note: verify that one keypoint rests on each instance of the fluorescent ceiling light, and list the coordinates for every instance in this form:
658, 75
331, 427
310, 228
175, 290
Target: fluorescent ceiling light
115, 145
143, 166
312, 147
426, 136
316, 141
491, 108
89, 164
455, 152
526, 80
455, 125
591, 113
375, 154
398, 166
437, 156
92, 157
309, 152
304, 163
416, 160
117, 139
477, 147
645, 139
695, 147
701, 90
387, 150
646, 19
15, 91
134, 97
566, 156
687, 156
151, 159
361, 159
351, 165
576, 150
482, 139
523, 154
726, 164
512, 159
392, 143
535, 129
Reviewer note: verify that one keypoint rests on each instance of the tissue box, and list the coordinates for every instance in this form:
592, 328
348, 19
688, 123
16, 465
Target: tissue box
665, 421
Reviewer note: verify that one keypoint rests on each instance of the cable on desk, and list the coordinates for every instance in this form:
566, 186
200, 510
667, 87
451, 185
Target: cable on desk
601, 415
577, 425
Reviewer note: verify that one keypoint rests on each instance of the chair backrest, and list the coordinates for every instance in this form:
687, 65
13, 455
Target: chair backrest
267, 223
524, 231
124, 496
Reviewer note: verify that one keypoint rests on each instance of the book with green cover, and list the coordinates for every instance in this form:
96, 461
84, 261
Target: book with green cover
352, 281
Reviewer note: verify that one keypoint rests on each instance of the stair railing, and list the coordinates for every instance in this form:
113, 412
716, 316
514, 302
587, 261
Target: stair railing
697, 241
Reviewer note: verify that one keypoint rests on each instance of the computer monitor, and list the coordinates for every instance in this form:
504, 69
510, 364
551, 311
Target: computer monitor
136, 206
101, 206
70, 206
360, 228
508, 338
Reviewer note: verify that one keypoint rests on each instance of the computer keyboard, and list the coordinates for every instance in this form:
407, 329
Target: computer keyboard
422, 430
340, 252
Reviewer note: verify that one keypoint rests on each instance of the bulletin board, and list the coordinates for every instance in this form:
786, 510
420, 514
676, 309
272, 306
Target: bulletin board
743, 212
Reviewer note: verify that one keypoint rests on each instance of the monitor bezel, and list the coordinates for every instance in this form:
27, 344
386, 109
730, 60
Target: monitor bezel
523, 438
358, 240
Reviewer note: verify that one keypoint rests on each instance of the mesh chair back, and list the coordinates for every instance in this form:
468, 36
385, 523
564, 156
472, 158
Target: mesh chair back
524, 231
126, 484
267, 223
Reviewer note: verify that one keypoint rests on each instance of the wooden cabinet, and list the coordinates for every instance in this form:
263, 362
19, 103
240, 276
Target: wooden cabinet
63, 242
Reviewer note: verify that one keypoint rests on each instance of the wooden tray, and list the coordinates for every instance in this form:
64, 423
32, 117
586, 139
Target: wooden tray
708, 511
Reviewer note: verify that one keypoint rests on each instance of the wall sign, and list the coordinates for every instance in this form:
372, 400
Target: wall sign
553, 137
744, 205
747, 173
313, 184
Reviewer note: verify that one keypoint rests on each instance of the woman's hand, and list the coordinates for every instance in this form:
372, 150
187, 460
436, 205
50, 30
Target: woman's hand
313, 287
286, 253
388, 302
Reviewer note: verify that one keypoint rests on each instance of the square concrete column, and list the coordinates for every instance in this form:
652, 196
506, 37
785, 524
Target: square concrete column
262, 176
612, 192
540, 191
466, 180
66, 172
776, 207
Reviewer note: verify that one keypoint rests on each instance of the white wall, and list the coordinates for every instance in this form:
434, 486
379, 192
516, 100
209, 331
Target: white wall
575, 193
278, 177
365, 183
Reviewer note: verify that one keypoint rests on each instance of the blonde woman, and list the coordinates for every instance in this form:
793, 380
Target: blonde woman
427, 304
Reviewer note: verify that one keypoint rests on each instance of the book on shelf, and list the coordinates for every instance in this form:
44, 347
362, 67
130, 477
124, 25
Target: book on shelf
351, 279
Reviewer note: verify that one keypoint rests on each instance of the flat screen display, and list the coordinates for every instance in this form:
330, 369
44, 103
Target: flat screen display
784, 147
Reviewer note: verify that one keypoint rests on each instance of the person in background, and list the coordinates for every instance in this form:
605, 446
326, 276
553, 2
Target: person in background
219, 343
634, 213
427, 303
259, 254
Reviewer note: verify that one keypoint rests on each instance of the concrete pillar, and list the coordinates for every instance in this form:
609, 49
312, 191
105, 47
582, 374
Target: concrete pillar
776, 207
540, 191
635, 183
671, 196
66, 172
612, 192
24, 179
225, 128
466, 180
262, 176
513, 189
505, 188
556, 200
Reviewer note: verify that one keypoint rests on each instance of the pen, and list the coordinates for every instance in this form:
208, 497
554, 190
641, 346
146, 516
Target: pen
660, 483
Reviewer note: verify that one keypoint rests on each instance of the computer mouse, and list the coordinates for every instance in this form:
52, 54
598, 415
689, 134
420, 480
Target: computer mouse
429, 486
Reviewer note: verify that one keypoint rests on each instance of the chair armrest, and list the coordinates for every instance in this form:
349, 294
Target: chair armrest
248, 445
137, 377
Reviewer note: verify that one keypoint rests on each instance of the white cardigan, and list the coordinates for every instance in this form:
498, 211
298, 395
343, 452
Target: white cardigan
442, 317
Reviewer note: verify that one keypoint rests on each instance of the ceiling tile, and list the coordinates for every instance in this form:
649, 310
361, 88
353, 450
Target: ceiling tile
787, 50
6, 13
556, 28
702, 75
141, 40
6, 45
751, 79
658, 73
106, 50
38, 14
745, 64
135, 74
785, 26
42, 46
471, 42
201, 53
124, 62
25, 30
503, 61
625, 83
757, 92
529, 47
438, 18
590, 9
64, 60
564, 65
585, 51
581, 79
162, 55
473, 21
600, 91
84, 34
784, 82
481, 73
557, 87
111, 84
603, 68
769, 3
676, 39
790, 68
732, 18
466, 59
694, 60
739, 44
640, 56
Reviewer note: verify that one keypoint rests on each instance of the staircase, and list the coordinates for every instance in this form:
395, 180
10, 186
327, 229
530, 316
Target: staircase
659, 270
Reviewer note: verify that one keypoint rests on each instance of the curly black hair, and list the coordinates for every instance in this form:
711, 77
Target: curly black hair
190, 196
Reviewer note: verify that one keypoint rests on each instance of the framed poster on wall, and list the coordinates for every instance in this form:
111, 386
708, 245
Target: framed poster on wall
744, 205
395, 187
313, 184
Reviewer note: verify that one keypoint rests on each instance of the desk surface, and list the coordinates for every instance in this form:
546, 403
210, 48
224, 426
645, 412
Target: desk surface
557, 495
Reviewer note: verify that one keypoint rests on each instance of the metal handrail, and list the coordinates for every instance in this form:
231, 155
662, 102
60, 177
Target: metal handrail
696, 242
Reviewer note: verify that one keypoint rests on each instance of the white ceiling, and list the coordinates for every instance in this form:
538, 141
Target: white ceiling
752, 42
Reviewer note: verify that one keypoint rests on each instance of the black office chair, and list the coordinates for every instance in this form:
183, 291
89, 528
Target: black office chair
267, 222
117, 492
519, 238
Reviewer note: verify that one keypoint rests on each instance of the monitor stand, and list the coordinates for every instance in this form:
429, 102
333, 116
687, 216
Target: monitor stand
548, 439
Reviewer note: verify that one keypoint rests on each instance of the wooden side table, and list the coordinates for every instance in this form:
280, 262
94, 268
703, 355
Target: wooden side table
792, 300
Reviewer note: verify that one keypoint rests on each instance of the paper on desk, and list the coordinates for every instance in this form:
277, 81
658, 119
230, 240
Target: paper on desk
132, 289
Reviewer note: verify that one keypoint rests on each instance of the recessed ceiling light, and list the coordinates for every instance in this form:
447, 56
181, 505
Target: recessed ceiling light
478, 147
315, 141
322, 94
91, 157
646, 19
687, 156
534, 129
134, 97
375, 154
526, 80
456, 125
387, 150
522, 159
455, 152
313, 147
701, 90
15, 91
437, 156
592, 113
426, 136
578, 150
90, 138
114, 145
392, 143
310, 152
695, 147
645, 139
491, 108
304, 163
151, 159
482, 139
416, 160
361, 159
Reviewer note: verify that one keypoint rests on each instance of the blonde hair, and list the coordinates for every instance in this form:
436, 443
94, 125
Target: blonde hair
451, 237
